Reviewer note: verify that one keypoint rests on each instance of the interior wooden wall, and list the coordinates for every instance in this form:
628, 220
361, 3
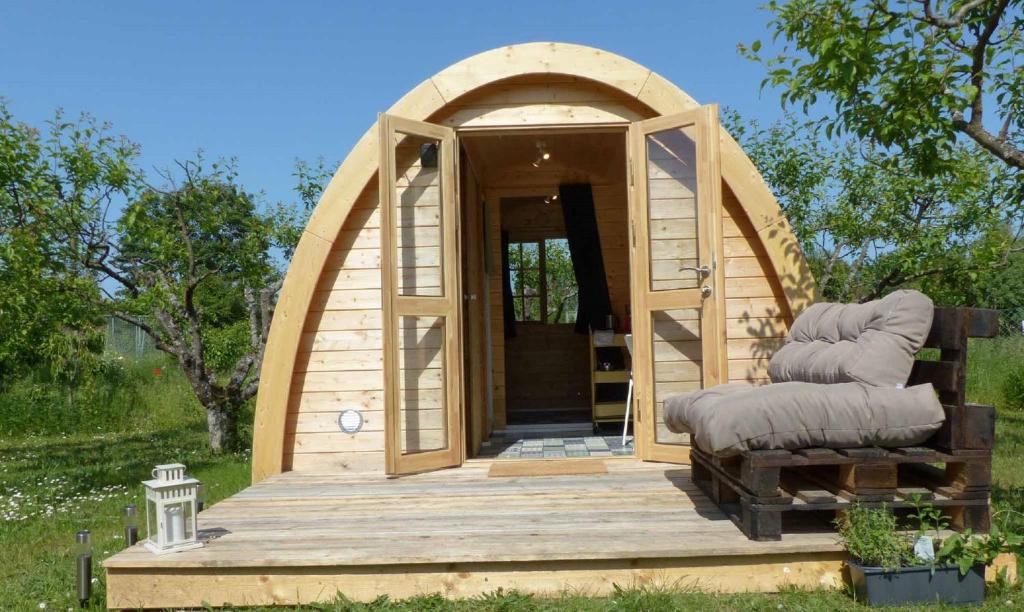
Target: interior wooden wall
547, 365
497, 315
340, 358
610, 204
476, 317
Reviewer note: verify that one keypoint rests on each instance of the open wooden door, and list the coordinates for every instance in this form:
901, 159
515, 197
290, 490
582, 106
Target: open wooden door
676, 218
421, 297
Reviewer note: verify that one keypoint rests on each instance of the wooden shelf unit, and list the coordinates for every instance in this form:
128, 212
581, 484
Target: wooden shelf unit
614, 410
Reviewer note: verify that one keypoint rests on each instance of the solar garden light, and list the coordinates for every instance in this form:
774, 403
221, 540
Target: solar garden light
130, 519
200, 497
171, 499
83, 565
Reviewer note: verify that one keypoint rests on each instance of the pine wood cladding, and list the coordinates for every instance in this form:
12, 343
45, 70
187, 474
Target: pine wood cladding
326, 343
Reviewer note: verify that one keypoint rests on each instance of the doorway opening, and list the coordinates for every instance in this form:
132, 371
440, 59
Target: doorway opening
546, 279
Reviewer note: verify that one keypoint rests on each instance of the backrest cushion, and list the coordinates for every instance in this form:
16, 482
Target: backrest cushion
872, 343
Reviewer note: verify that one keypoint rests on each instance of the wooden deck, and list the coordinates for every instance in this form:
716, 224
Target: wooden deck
302, 537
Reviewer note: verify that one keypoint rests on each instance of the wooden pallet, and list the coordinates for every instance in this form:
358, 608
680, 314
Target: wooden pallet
757, 487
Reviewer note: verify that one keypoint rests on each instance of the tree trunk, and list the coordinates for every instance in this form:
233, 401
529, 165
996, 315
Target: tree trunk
220, 421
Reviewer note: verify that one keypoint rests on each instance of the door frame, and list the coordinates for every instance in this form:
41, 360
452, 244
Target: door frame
714, 331
447, 306
494, 194
644, 300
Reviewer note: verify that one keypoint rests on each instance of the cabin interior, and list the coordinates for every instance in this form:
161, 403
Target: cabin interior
536, 386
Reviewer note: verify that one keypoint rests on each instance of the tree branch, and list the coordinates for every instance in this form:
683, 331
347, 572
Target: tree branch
954, 19
990, 142
158, 341
974, 127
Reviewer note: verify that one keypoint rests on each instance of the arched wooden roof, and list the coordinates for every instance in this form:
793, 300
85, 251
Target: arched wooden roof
432, 95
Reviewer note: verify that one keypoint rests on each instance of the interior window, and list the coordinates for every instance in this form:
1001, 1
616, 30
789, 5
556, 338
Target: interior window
543, 282
560, 282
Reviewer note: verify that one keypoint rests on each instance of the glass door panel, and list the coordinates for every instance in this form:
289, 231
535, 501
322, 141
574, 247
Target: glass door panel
672, 209
675, 211
419, 248
418, 214
421, 376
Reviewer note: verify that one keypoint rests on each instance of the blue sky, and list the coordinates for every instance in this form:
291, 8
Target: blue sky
269, 82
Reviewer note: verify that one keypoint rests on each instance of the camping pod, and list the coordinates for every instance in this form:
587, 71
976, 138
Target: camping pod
458, 273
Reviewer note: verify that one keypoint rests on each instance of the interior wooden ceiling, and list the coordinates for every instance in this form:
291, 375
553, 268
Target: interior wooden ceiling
507, 160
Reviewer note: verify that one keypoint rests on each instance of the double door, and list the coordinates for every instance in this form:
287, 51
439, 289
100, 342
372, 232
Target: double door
677, 304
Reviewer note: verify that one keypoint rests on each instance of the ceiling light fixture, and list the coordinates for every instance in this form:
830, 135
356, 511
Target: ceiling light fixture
542, 153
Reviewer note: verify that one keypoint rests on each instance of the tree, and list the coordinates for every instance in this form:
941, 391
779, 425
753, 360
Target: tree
48, 181
189, 262
869, 223
1004, 288
196, 263
563, 291
910, 75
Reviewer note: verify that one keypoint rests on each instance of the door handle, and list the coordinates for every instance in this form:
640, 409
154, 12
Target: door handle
703, 271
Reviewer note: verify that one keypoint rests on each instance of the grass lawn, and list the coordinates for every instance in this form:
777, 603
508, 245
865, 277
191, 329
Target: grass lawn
53, 483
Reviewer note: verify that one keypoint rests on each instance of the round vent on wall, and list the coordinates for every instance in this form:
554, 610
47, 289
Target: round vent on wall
350, 421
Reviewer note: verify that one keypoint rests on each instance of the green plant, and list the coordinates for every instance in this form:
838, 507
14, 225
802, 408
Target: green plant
1013, 389
965, 550
872, 537
928, 517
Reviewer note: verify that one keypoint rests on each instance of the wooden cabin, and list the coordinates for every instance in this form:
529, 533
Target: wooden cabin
422, 317
393, 304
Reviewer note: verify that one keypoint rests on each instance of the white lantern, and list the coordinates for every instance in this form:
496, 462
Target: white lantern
171, 510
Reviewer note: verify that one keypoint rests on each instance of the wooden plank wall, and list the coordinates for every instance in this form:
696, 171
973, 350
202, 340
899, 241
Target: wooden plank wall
756, 315
476, 317
611, 205
340, 360
497, 315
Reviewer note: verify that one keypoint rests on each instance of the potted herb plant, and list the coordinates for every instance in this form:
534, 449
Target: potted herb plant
889, 566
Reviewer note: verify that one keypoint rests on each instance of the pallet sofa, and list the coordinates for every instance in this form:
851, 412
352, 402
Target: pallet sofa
761, 483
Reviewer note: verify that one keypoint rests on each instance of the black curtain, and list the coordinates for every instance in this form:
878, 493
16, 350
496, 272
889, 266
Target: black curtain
587, 262
506, 289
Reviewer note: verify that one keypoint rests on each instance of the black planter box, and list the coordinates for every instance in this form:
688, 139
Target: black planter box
880, 587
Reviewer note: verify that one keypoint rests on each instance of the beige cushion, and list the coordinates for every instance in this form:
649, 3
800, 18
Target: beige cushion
872, 343
728, 419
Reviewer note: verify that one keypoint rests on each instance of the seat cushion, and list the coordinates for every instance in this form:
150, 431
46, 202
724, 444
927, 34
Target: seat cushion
728, 419
872, 343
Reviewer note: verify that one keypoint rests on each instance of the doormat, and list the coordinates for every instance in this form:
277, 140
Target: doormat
546, 467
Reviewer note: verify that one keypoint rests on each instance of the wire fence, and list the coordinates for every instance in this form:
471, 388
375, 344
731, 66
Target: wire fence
127, 340
1011, 322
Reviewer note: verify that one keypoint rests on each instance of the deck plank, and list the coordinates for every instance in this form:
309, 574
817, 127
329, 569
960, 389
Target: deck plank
636, 510
639, 520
